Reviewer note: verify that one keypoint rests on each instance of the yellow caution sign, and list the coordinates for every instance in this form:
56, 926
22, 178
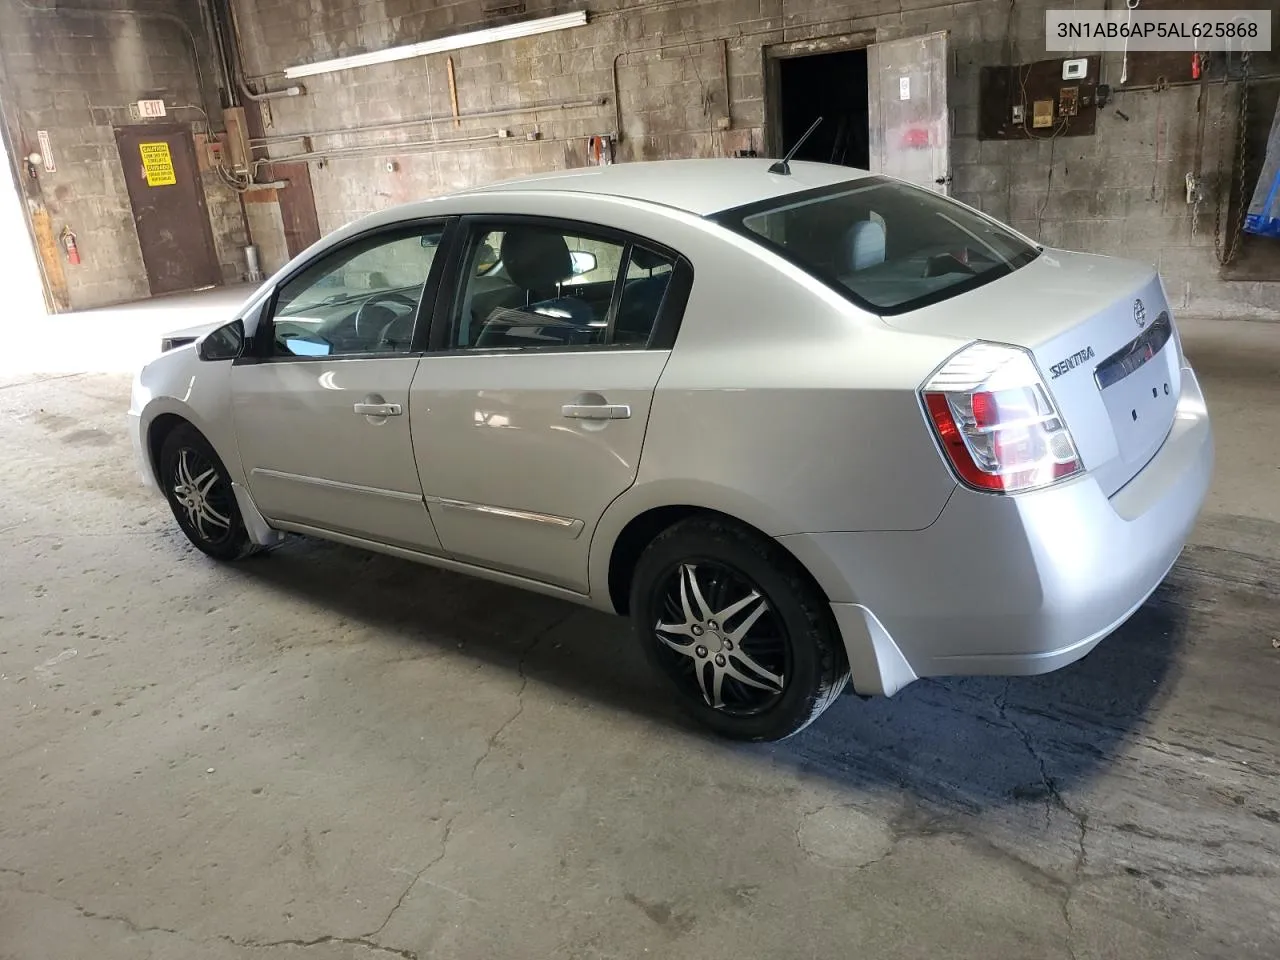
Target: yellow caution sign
157, 164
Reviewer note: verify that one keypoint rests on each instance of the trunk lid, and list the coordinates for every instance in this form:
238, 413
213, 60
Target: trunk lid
1102, 335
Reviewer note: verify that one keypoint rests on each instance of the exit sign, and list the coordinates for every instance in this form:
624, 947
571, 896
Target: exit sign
150, 109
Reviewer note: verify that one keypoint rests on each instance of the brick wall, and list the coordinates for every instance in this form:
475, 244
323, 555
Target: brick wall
74, 74
1120, 191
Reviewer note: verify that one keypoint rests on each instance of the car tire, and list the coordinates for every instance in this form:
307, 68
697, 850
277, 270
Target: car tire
198, 489
765, 682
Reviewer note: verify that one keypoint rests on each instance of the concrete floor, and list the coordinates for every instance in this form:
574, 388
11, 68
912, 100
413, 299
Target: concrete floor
328, 754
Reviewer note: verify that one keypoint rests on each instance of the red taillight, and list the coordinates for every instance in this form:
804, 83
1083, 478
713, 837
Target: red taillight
984, 410
953, 444
996, 422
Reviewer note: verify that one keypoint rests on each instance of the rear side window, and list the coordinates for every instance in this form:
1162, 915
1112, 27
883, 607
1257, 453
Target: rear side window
889, 246
530, 286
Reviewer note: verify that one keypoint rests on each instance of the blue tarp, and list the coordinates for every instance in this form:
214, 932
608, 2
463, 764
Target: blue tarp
1263, 217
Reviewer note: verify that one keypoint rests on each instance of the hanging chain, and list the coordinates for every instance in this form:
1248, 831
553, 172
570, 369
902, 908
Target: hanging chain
1224, 182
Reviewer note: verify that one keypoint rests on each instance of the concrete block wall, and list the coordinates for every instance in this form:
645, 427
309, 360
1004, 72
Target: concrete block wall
74, 74
1120, 191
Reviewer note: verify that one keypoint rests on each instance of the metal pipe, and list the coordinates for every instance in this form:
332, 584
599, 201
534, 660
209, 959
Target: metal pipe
400, 124
253, 263
376, 148
218, 36
1260, 78
295, 90
403, 147
201, 81
617, 93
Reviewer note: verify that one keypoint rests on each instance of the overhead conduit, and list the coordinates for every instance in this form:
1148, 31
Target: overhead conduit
54, 9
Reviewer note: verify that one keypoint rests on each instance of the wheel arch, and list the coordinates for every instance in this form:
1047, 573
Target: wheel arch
207, 416
161, 426
626, 546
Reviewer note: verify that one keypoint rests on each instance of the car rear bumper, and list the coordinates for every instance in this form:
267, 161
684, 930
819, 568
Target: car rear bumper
1014, 585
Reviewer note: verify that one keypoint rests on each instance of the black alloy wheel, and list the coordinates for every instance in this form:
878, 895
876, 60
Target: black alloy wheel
738, 630
198, 489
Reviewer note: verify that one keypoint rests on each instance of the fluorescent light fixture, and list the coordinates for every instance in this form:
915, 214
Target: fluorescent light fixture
476, 38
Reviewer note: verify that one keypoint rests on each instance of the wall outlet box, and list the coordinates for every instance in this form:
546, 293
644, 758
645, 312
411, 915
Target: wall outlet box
1075, 69
1019, 115
237, 152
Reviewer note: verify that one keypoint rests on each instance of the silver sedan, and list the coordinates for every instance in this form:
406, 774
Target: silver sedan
800, 426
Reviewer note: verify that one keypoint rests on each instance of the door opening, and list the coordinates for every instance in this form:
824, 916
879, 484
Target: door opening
884, 105
25, 293
832, 86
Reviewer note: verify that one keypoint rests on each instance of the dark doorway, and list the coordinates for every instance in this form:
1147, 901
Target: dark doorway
169, 209
832, 86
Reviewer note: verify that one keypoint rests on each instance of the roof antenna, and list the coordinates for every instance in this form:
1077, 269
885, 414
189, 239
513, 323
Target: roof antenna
783, 166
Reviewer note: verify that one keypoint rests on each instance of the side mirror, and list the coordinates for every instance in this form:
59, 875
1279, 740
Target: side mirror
583, 262
224, 343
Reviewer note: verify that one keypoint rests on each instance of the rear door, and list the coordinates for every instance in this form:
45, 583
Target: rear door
322, 411
910, 123
529, 414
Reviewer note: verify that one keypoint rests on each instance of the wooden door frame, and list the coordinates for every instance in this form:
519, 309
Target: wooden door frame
183, 132
772, 76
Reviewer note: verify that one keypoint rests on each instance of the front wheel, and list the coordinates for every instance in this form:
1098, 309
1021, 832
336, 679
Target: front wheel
198, 489
742, 636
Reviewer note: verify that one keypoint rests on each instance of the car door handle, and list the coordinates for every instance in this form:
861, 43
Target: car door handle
377, 409
596, 411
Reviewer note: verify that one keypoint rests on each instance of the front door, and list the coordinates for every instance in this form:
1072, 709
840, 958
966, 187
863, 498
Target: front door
910, 124
322, 412
169, 208
530, 421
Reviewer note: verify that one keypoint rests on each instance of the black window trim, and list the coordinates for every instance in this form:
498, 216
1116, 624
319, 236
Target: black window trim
258, 349
734, 219
471, 226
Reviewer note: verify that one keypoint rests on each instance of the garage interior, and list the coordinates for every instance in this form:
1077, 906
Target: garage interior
326, 753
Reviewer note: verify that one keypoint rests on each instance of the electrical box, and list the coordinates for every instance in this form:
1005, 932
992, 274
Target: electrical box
237, 151
1069, 101
1029, 101
210, 151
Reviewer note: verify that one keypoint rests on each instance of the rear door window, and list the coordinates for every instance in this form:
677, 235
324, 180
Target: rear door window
532, 286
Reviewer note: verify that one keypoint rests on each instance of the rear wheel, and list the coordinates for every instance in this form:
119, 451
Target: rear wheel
739, 632
198, 489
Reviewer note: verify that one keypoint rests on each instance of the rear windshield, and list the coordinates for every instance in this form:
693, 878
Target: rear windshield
890, 247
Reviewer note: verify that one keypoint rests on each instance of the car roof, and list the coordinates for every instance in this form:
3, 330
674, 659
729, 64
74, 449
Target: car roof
701, 187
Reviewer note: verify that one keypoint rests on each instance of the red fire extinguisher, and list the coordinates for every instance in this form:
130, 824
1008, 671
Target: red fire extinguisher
69, 242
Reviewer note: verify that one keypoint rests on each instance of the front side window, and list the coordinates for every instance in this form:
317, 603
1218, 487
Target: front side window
529, 286
362, 298
890, 246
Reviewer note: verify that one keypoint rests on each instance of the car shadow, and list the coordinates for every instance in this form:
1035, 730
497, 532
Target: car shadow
969, 743
983, 742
